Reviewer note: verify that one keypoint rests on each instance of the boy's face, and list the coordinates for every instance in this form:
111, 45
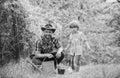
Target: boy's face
74, 30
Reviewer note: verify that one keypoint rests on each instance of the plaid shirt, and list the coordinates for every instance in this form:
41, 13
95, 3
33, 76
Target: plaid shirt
48, 45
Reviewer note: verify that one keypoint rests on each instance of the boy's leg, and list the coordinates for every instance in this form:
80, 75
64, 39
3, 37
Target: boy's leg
69, 60
77, 62
71, 68
72, 62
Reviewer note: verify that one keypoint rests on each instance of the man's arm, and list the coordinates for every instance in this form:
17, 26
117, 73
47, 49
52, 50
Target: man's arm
40, 55
37, 54
58, 46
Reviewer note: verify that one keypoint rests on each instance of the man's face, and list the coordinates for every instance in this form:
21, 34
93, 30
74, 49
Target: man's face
48, 32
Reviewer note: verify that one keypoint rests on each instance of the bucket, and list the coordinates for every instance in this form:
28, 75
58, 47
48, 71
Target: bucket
61, 71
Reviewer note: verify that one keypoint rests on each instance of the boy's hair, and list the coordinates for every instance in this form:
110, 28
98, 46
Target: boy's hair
74, 26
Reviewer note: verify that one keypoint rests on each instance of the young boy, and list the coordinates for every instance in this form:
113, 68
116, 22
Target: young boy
76, 41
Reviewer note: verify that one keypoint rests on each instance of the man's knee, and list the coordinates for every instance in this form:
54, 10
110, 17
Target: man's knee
60, 58
62, 55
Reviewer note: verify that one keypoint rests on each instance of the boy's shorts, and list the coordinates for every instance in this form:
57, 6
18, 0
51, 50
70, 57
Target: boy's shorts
76, 51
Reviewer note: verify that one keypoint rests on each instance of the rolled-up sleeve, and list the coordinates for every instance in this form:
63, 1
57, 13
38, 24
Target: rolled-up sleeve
40, 46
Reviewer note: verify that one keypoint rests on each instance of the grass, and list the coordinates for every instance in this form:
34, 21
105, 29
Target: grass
36, 19
24, 70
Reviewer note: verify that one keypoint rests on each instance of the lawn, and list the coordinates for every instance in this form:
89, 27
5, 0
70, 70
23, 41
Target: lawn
24, 70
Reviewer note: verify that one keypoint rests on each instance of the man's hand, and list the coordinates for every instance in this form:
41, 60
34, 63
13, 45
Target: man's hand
58, 55
49, 55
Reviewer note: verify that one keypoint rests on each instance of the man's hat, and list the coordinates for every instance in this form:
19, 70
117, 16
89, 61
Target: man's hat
48, 27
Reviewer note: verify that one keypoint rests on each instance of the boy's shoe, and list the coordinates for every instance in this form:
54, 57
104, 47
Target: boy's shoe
70, 70
77, 69
56, 71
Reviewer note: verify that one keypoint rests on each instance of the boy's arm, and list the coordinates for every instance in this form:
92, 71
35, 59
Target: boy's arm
85, 40
61, 48
87, 45
69, 42
67, 46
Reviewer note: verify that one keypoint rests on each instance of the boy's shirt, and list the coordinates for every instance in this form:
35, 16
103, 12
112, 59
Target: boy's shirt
77, 41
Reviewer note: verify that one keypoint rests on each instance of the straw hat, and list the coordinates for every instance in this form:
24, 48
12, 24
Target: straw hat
48, 27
